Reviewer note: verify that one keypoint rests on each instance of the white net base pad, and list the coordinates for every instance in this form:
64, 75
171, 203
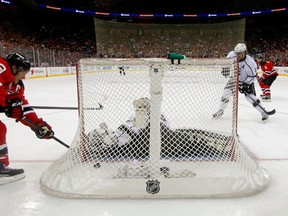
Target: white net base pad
135, 180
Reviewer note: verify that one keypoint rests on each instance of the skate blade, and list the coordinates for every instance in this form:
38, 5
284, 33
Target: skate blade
10, 179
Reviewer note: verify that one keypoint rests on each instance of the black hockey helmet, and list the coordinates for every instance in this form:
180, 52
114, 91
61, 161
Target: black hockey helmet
260, 57
19, 61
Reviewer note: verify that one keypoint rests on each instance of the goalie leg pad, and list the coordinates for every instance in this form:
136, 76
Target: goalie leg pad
205, 143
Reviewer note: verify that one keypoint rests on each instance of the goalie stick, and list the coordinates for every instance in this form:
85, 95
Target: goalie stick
272, 112
39, 128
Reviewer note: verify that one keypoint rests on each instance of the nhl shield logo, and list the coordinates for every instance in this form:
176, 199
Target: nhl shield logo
152, 186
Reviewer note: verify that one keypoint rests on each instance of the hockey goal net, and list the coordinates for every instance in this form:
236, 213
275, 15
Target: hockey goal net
148, 131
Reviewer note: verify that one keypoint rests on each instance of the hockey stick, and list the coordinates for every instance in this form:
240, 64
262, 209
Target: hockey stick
55, 107
39, 128
68, 108
272, 112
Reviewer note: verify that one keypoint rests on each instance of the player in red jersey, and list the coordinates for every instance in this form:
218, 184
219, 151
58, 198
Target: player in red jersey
13, 69
268, 77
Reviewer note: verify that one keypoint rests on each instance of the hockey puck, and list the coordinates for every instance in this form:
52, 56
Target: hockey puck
97, 165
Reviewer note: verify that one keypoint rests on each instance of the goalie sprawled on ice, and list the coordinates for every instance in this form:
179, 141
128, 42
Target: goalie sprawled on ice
131, 139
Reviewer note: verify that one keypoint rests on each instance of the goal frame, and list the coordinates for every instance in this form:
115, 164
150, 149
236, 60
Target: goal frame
181, 183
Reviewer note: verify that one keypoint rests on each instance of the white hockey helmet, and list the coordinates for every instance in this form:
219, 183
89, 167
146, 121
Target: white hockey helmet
240, 47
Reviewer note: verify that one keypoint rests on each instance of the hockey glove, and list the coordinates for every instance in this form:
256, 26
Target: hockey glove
14, 107
242, 87
261, 78
44, 131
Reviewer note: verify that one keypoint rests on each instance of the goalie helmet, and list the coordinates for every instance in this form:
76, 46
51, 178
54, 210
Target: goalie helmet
19, 61
240, 47
142, 103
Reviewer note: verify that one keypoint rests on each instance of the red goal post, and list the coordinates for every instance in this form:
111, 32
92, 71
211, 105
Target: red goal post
153, 135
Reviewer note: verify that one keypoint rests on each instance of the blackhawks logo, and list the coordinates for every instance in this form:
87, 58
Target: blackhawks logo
152, 186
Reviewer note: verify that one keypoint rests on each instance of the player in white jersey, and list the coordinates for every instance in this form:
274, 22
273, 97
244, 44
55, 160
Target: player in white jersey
247, 77
227, 92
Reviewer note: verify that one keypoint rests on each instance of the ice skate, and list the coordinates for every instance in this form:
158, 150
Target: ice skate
8, 175
218, 113
266, 98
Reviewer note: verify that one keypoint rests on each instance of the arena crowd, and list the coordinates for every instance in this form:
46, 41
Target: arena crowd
59, 38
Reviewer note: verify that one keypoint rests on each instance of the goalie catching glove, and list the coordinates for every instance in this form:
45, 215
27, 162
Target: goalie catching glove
14, 106
44, 130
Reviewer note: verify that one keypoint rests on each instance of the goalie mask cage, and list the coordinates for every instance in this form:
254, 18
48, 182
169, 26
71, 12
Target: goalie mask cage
174, 148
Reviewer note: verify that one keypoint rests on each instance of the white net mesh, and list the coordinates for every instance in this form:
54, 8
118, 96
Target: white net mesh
151, 133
